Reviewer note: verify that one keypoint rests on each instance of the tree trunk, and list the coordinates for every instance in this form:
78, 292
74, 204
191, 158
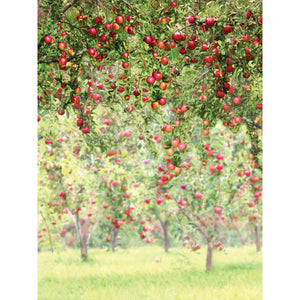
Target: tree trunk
164, 225
83, 240
115, 241
257, 239
83, 247
166, 236
209, 256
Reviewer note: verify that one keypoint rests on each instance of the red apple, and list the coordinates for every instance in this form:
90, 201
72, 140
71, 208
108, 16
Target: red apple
209, 21
217, 210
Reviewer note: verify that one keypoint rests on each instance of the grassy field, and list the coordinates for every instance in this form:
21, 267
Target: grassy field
134, 274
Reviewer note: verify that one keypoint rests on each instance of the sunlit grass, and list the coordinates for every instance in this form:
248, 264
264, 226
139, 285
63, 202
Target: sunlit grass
134, 274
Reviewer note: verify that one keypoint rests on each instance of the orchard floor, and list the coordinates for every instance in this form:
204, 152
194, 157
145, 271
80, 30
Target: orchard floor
131, 274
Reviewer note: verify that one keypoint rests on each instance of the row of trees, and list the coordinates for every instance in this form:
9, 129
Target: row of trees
149, 111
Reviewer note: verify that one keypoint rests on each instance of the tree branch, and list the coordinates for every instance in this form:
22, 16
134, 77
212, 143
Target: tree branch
252, 123
93, 228
50, 60
200, 229
75, 223
198, 226
200, 77
131, 7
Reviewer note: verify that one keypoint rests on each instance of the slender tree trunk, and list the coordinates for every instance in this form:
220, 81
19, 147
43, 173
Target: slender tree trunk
164, 225
166, 236
257, 239
83, 248
209, 256
83, 240
115, 241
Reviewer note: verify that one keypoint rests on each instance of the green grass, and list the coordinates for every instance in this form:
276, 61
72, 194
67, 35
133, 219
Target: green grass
133, 274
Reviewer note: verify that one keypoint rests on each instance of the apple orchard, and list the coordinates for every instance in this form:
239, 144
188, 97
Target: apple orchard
149, 123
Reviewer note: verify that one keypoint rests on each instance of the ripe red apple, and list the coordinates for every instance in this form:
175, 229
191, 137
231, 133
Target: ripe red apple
159, 200
238, 119
204, 47
177, 36
226, 107
175, 142
103, 38
220, 94
170, 167
62, 45
229, 69
209, 21
168, 128
155, 105
181, 146
237, 100
150, 80
227, 29
157, 75
257, 194
198, 195
220, 156
147, 39
219, 167
205, 132
92, 30
91, 51
125, 54
48, 39
164, 60
162, 101
48, 141
209, 59
247, 172
99, 85
191, 19
170, 152
217, 210
163, 85
98, 20
119, 19
77, 90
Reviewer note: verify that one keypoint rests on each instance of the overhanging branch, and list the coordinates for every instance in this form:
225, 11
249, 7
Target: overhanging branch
51, 60
131, 7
